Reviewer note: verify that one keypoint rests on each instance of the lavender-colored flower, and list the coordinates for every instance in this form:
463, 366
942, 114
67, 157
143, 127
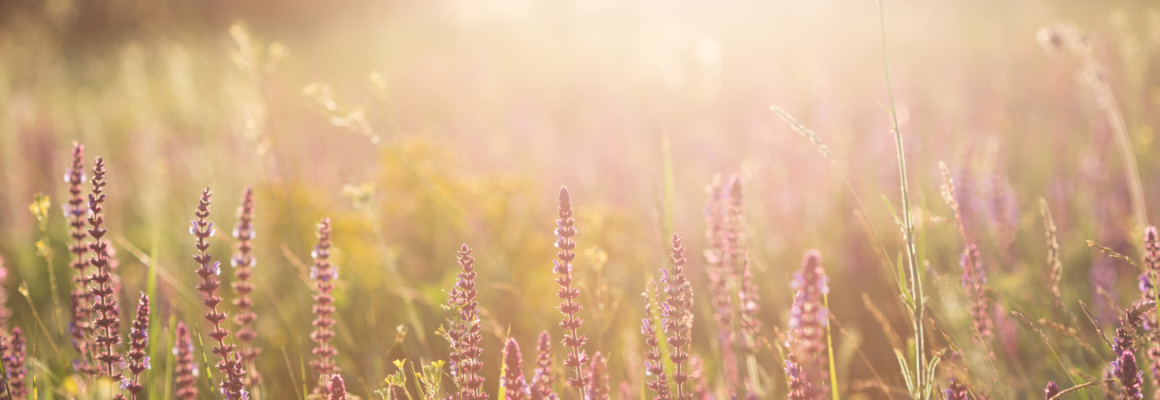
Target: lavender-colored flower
464, 333
104, 301
14, 365
337, 388
576, 358
654, 365
1129, 375
5, 312
697, 375
4, 346
974, 282
1003, 209
720, 238
138, 347
542, 382
232, 383
677, 316
735, 253
735, 245
971, 204
1007, 331
242, 261
799, 383
1124, 367
185, 368
1151, 249
81, 328
1145, 286
514, 385
600, 387
626, 391
956, 391
323, 307
748, 299
1152, 266
1109, 383
1051, 390
1103, 277
808, 320
1154, 355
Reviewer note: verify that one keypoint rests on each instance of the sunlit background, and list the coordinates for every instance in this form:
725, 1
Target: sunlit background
420, 125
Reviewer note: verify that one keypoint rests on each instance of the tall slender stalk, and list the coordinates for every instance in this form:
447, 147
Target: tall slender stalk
573, 340
324, 274
103, 295
654, 365
678, 316
186, 366
232, 384
512, 381
1097, 79
464, 332
80, 328
920, 389
1065, 37
138, 344
543, 378
243, 261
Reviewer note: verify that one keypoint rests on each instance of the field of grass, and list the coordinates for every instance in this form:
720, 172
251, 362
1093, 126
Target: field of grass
579, 199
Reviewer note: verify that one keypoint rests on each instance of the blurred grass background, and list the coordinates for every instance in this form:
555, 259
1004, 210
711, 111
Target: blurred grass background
418, 126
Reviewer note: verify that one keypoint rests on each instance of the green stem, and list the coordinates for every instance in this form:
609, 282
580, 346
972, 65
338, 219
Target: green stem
830, 352
918, 302
52, 284
1116, 119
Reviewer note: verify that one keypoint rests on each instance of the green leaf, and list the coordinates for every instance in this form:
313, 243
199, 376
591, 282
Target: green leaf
902, 283
930, 372
905, 371
890, 208
502, 372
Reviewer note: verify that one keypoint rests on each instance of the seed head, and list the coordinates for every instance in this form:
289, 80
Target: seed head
974, 282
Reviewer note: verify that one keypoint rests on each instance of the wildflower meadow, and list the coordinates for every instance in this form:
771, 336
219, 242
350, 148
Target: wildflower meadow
579, 200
